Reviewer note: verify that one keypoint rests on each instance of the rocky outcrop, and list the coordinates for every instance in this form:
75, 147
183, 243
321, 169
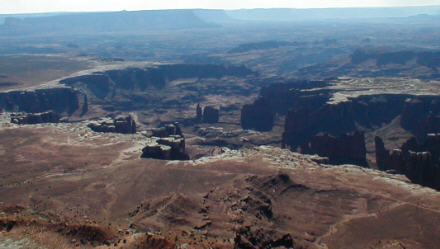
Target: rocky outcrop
210, 115
199, 113
168, 148
60, 100
120, 124
168, 130
35, 118
345, 149
177, 145
420, 162
168, 144
157, 151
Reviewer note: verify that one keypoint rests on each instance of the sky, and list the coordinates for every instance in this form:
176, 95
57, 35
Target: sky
37, 6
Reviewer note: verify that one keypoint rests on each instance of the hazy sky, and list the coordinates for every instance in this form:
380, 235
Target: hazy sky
30, 6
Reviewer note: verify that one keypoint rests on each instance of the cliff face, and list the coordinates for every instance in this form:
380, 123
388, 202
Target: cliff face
107, 84
60, 100
279, 98
420, 162
345, 149
420, 115
302, 123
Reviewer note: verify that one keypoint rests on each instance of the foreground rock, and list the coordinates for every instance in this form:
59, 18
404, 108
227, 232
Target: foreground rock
120, 124
420, 162
346, 149
35, 118
249, 198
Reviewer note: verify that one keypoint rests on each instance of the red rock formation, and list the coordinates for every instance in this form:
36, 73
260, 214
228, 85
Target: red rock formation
420, 162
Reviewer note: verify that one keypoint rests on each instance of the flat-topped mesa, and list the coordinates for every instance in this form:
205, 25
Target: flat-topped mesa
108, 84
346, 149
120, 124
420, 162
35, 118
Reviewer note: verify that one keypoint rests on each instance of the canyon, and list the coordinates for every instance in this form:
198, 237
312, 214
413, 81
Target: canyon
244, 129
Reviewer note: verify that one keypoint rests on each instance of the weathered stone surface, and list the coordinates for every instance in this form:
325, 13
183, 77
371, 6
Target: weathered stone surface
420, 162
120, 124
35, 118
345, 149
210, 114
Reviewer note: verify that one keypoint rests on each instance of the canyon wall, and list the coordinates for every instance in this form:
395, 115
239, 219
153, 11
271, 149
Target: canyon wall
60, 100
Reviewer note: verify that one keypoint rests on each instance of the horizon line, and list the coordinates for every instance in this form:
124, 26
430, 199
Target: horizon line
225, 9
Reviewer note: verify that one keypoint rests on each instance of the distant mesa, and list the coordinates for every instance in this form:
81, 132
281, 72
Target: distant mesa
420, 64
86, 23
